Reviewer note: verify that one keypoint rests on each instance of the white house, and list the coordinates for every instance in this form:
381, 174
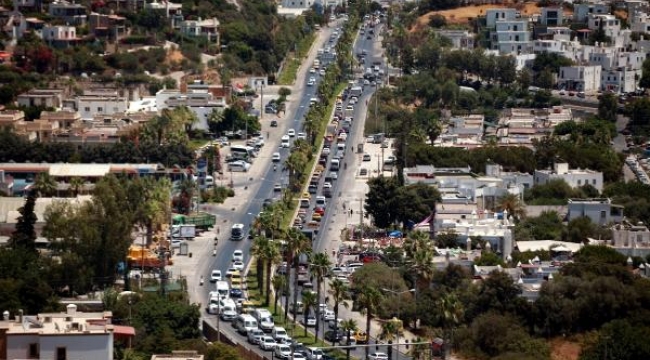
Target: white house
608, 23
202, 27
580, 78
511, 36
297, 4
581, 11
599, 211
69, 335
201, 103
492, 16
573, 177
91, 104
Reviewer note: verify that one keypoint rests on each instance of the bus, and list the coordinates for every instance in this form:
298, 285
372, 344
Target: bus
246, 153
237, 232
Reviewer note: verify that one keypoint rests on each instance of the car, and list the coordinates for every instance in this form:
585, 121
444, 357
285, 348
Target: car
215, 276
254, 336
326, 151
312, 189
581, 94
284, 141
276, 157
237, 255
231, 271
384, 144
291, 132
360, 337
312, 71
267, 202
349, 108
322, 72
236, 293
277, 188
312, 79
562, 92
333, 175
378, 356
238, 265
310, 321
366, 157
267, 343
282, 351
298, 356
363, 172
333, 336
274, 123
316, 217
302, 136
279, 333
310, 83
328, 315
327, 185
269, 109
319, 210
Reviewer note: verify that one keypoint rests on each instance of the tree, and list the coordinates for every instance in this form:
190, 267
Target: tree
545, 79
338, 292
368, 300
379, 201
450, 311
644, 82
348, 326
447, 239
309, 302
437, 21
524, 79
44, 185
296, 243
512, 203
320, 264
389, 332
76, 185
24, 235
607, 107
620, 340
268, 254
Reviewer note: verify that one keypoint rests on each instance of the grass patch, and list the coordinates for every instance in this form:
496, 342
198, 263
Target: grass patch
197, 143
290, 71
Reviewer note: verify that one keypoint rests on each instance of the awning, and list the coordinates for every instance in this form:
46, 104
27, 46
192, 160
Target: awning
123, 330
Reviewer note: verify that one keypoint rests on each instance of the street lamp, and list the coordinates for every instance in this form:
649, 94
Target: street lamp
398, 293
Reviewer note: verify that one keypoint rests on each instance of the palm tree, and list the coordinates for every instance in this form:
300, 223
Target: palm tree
309, 301
389, 331
512, 203
259, 250
320, 264
339, 293
280, 287
450, 312
76, 185
186, 189
44, 184
348, 326
368, 299
297, 243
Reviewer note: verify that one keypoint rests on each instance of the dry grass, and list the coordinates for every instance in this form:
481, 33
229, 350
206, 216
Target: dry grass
564, 349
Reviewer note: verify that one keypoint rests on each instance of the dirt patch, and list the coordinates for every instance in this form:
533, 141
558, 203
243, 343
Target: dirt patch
563, 349
463, 15
175, 56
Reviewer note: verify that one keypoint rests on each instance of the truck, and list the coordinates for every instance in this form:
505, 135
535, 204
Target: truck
183, 231
356, 91
142, 257
201, 220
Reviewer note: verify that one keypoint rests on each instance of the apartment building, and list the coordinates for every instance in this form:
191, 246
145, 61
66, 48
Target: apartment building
60, 36
582, 11
551, 16
70, 13
460, 39
208, 28
201, 102
580, 78
573, 177
48, 98
599, 211
511, 37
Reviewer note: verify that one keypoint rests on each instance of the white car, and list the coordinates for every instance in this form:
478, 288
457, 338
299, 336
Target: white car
299, 356
237, 255
238, 265
231, 271
312, 79
291, 132
378, 356
310, 83
328, 315
267, 343
349, 108
215, 276
301, 135
322, 72
276, 157
285, 141
312, 71
254, 336
282, 351
310, 321
327, 185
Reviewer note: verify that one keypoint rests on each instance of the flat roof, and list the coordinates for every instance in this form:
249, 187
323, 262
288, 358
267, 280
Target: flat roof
83, 170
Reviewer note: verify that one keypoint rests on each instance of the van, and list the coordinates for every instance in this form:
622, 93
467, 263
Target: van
228, 310
285, 142
239, 166
314, 353
305, 204
334, 165
237, 232
223, 289
266, 323
321, 202
279, 333
244, 323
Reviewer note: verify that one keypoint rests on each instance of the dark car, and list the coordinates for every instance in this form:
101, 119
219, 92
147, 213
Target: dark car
274, 123
236, 293
334, 336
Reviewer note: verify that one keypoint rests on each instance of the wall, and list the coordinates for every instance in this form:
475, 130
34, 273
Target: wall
18, 346
82, 346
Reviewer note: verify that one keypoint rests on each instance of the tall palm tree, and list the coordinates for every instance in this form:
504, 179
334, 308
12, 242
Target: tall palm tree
309, 301
320, 264
368, 299
389, 332
339, 293
280, 287
44, 184
271, 257
512, 203
296, 243
76, 185
450, 312
349, 326
259, 250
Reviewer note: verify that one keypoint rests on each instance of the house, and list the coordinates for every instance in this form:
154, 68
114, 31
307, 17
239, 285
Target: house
179, 355
551, 16
69, 335
66, 119
582, 11
626, 235
620, 69
199, 98
10, 118
60, 36
70, 13
169, 8
573, 177
580, 78
208, 28
47, 98
609, 24
511, 36
460, 39
297, 4
599, 211
106, 102
111, 27
492, 16
494, 228
462, 131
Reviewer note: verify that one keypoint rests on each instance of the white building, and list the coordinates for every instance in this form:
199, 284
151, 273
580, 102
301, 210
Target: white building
621, 70
201, 103
573, 177
208, 28
551, 16
100, 103
297, 4
69, 335
59, 33
511, 37
580, 78
608, 23
599, 211
492, 16
630, 236
581, 11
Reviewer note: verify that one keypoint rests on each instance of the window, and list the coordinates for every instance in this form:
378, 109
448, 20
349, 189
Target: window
33, 351
115, 109
603, 214
87, 109
579, 182
593, 181
61, 353
100, 109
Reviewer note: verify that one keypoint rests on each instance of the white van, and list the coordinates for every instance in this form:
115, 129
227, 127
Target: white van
264, 319
321, 201
228, 310
334, 165
285, 142
239, 166
243, 323
279, 333
223, 289
237, 232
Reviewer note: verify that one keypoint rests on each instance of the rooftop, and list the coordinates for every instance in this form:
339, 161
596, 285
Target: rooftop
68, 323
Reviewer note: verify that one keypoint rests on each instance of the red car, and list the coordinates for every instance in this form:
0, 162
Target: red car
319, 210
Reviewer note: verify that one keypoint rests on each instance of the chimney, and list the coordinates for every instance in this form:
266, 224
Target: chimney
71, 309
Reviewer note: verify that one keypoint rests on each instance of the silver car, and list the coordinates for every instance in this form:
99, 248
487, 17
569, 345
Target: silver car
254, 336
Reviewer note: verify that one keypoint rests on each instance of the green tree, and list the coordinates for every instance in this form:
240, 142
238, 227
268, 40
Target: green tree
76, 185
607, 107
619, 340
24, 235
390, 330
44, 185
368, 299
309, 302
338, 292
296, 244
379, 201
280, 287
320, 264
348, 326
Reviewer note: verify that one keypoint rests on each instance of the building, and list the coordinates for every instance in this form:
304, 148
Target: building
580, 78
67, 119
551, 16
70, 13
599, 211
462, 131
511, 36
47, 98
492, 16
609, 24
60, 36
10, 118
582, 11
69, 335
625, 235
199, 98
208, 28
105, 26
620, 69
169, 8
297, 4
100, 103
460, 39
573, 177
